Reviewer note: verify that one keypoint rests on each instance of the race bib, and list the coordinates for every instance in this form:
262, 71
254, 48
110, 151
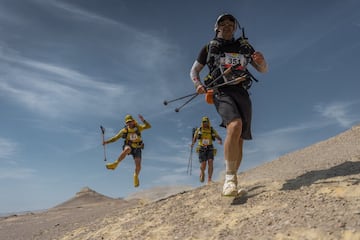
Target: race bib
232, 59
205, 141
133, 136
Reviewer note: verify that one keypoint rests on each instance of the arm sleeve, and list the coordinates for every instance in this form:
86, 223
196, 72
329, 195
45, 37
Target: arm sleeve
195, 135
195, 72
116, 137
144, 126
198, 65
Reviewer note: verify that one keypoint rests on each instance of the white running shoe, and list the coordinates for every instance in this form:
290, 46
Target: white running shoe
230, 186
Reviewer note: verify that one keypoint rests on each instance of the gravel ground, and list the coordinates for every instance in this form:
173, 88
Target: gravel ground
312, 193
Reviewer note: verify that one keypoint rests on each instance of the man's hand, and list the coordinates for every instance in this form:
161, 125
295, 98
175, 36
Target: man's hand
259, 61
141, 118
258, 57
200, 89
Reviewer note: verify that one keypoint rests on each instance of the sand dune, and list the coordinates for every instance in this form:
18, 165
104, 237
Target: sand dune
312, 193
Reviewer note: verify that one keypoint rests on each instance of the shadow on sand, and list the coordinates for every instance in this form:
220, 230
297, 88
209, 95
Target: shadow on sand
344, 169
243, 200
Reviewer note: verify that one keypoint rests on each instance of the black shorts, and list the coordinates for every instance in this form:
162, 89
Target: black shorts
233, 102
205, 154
136, 152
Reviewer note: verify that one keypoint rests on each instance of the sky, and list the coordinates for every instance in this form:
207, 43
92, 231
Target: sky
69, 66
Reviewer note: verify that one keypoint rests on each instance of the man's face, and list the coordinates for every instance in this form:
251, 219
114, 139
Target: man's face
226, 26
131, 124
205, 124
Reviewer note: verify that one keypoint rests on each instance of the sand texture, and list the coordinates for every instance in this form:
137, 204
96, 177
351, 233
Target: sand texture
312, 193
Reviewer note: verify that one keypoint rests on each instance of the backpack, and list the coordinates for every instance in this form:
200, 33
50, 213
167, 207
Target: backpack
199, 133
213, 61
198, 148
128, 141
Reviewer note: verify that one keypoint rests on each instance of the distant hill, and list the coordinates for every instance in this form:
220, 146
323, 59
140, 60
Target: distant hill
84, 197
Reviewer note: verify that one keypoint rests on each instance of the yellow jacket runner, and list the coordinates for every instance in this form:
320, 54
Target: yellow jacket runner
132, 136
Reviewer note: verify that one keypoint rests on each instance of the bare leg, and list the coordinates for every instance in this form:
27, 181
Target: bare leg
124, 153
241, 191
137, 171
210, 169
202, 171
231, 153
238, 162
137, 165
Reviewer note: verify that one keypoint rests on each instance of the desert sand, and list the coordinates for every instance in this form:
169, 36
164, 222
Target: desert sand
312, 193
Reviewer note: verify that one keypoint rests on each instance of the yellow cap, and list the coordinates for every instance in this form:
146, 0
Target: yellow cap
128, 118
205, 119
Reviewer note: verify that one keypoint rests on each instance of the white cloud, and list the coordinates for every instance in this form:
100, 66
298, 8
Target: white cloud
7, 148
272, 144
54, 90
339, 112
78, 12
59, 91
16, 173
144, 49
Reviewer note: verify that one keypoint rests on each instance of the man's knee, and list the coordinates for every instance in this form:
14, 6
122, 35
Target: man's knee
234, 126
127, 149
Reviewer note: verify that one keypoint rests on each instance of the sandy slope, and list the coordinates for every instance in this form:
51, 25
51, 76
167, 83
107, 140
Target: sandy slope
312, 193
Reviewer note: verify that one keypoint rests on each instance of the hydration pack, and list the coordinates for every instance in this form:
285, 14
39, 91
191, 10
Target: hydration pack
200, 133
215, 50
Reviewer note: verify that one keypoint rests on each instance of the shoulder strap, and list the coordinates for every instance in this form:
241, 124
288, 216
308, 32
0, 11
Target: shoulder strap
137, 130
213, 49
212, 133
199, 133
125, 133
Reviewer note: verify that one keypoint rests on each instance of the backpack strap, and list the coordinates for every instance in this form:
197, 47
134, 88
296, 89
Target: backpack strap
125, 134
212, 133
213, 52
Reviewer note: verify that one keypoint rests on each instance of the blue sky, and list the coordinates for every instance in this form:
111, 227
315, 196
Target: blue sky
67, 67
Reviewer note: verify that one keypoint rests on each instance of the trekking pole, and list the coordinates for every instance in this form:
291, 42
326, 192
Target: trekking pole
194, 96
103, 138
244, 77
239, 79
176, 99
211, 85
189, 167
223, 74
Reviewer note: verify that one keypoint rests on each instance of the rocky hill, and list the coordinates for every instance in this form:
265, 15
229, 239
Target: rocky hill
312, 193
